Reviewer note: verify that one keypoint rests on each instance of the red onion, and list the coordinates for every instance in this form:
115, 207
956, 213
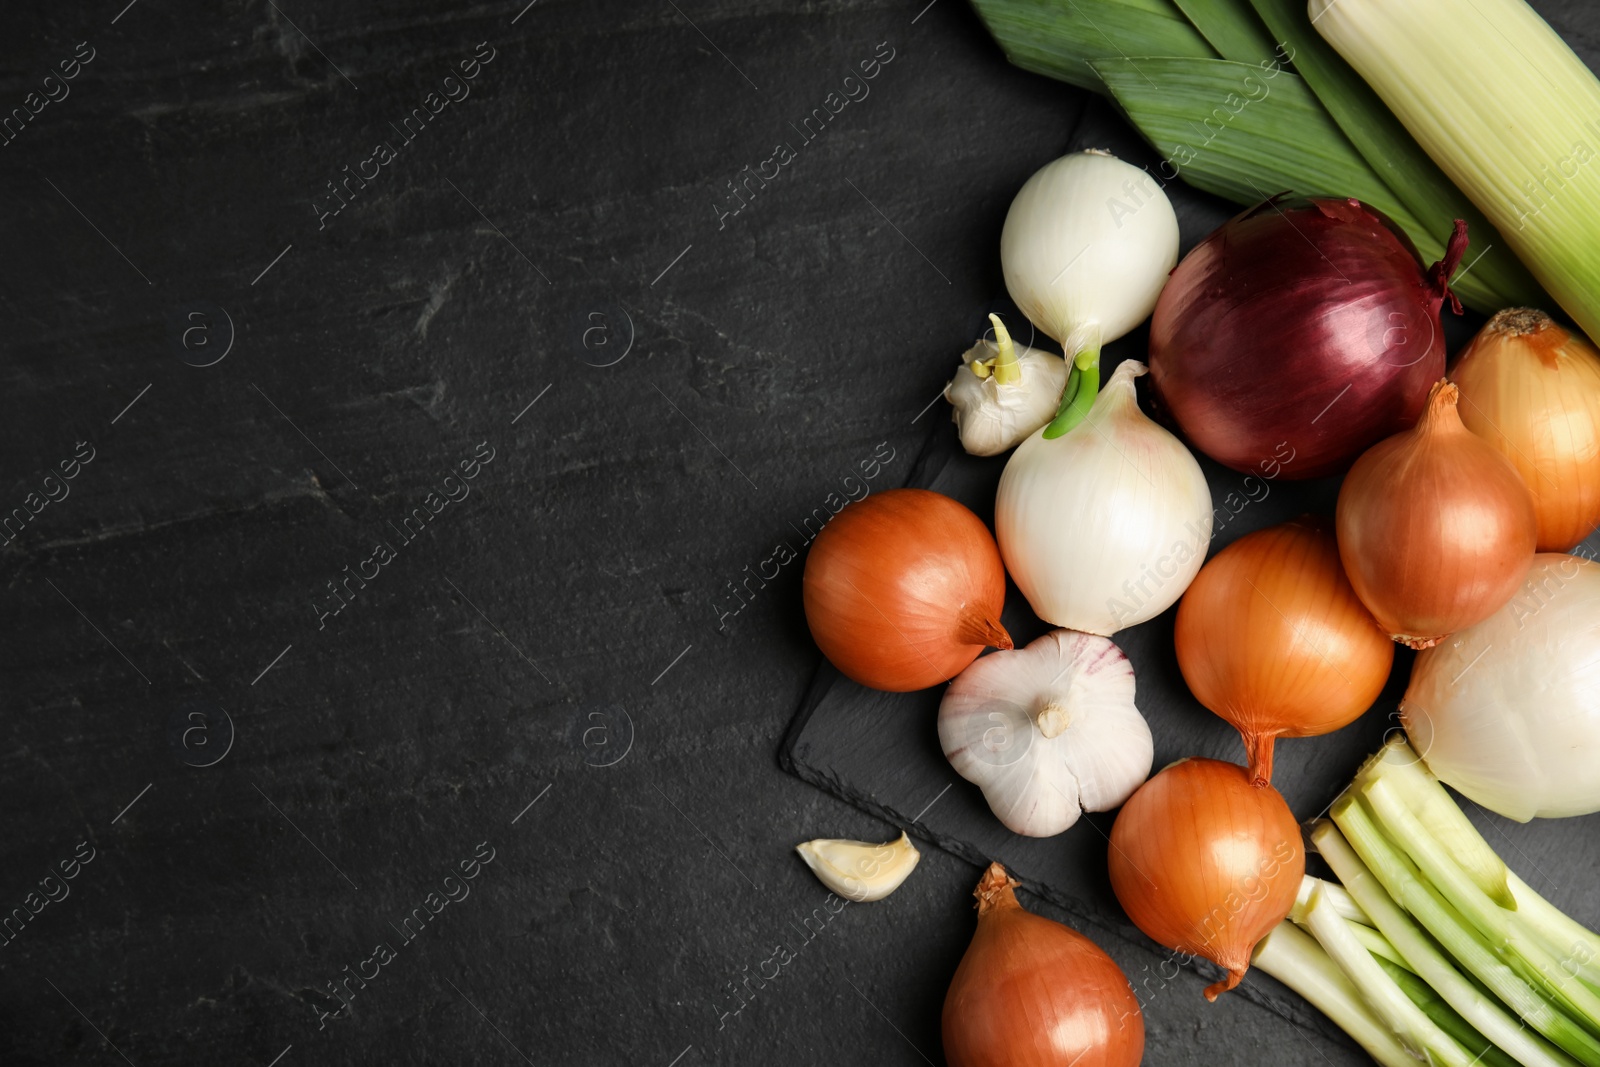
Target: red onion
1306, 328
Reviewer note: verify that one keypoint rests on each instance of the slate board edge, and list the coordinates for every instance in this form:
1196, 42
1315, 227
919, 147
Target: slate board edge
1288, 1005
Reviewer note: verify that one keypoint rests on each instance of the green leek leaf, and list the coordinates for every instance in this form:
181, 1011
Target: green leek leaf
1231, 27
1245, 133
1060, 38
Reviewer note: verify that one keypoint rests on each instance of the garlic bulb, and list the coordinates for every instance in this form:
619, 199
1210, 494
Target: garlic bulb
1048, 731
1001, 394
1086, 248
859, 870
1105, 526
1508, 711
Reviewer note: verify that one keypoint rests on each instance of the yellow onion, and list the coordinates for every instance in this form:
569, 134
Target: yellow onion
1272, 638
1032, 993
1436, 529
1532, 390
1206, 863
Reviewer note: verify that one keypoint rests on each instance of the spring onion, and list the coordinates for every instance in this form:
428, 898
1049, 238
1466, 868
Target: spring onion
1459, 960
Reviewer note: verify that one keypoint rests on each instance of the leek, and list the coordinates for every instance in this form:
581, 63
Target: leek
1505, 108
1060, 39
1397, 159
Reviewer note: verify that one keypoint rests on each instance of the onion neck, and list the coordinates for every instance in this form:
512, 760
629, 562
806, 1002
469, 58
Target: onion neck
1439, 274
975, 627
1258, 746
995, 891
1216, 989
1083, 381
1440, 414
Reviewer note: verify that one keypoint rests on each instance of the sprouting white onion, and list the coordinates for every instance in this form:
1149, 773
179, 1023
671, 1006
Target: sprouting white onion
1106, 525
1508, 711
1047, 731
1002, 392
1087, 246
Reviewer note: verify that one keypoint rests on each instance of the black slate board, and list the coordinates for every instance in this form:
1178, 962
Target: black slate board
880, 751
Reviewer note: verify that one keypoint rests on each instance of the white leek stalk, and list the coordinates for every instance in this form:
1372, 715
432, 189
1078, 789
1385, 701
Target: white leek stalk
1505, 108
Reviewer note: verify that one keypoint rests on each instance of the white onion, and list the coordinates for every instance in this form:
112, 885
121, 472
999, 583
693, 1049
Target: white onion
1087, 246
1106, 525
1508, 711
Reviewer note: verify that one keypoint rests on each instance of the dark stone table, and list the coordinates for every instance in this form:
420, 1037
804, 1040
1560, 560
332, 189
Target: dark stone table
392, 397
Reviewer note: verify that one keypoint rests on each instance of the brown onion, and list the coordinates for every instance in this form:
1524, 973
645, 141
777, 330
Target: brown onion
1206, 863
1532, 390
903, 589
1031, 992
1436, 529
1272, 638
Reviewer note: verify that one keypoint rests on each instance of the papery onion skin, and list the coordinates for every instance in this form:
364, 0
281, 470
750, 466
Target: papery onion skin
903, 589
1207, 863
1311, 323
1532, 390
1508, 711
1031, 992
1436, 529
1272, 638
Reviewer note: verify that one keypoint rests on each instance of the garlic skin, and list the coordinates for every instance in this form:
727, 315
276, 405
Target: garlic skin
1088, 241
859, 870
1105, 526
1048, 731
1002, 393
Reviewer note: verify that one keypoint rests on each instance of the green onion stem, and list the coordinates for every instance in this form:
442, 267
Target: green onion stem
1410, 1023
1411, 891
1406, 831
1337, 896
1399, 765
1560, 932
1485, 1013
1083, 384
1294, 958
1445, 1017
1550, 961
1380, 947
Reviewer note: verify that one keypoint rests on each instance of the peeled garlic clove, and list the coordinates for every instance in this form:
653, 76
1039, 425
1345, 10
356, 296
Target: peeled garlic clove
859, 870
1048, 731
1002, 393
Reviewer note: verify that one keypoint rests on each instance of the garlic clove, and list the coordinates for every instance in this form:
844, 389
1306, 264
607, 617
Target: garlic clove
859, 870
